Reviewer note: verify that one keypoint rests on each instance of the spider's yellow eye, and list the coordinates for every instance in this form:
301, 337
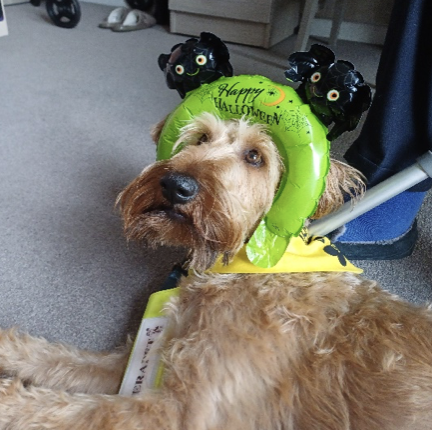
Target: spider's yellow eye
315, 77
179, 69
332, 95
201, 60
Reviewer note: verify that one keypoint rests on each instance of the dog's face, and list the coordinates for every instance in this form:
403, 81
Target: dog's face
211, 195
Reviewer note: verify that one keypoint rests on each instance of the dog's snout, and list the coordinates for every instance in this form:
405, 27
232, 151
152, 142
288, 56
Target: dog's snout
178, 188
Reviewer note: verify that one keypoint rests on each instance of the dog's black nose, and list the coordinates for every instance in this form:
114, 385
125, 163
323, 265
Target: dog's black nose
178, 188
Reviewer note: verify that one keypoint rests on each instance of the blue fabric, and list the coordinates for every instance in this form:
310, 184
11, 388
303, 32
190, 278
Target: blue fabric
398, 126
387, 221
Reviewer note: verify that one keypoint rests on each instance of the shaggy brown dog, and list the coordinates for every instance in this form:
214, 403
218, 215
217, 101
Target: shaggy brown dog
300, 351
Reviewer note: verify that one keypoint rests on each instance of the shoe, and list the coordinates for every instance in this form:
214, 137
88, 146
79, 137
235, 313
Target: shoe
116, 17
396, 249
387, 232
135, 20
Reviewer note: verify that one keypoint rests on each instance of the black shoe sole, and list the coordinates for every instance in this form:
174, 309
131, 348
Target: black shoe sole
385, 250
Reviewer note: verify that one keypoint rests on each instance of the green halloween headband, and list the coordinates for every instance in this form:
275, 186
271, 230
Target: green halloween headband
299, 136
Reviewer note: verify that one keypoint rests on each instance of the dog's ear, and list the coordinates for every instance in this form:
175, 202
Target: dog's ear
343, 182
156, 130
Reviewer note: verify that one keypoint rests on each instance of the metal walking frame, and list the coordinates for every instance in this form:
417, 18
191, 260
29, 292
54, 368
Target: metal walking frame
376, 195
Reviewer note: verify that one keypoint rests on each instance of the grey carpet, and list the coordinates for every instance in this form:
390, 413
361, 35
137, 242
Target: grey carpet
75, 109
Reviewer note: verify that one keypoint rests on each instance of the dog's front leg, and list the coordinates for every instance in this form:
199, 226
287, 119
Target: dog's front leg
59, 366
41, 409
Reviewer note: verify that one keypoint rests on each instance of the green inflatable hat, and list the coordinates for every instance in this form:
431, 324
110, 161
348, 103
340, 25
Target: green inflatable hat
298, 134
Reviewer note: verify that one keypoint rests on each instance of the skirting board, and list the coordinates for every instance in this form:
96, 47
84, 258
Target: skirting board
351, 31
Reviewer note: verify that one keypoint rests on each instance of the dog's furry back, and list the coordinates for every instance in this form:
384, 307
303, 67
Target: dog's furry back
300, 351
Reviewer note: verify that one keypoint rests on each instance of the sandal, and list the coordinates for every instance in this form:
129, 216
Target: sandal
135, 20
116, 17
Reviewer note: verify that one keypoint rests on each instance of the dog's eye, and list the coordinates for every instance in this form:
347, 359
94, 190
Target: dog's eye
179, 69
201, 60
254, 157
203, 139
315, 77
333, 95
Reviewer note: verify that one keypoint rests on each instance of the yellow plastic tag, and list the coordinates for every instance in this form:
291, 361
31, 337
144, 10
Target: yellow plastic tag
144, 370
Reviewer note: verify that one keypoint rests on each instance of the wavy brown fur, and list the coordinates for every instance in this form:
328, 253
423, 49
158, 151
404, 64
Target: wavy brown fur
290, 351
343, 181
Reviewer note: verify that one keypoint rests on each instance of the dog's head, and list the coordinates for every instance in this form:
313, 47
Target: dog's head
211, 196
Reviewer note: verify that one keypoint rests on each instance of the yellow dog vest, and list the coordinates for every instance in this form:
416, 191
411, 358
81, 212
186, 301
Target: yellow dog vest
316, 254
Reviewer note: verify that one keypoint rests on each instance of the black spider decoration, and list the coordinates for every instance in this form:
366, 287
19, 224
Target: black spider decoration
195, 62
334, 252
335, 91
